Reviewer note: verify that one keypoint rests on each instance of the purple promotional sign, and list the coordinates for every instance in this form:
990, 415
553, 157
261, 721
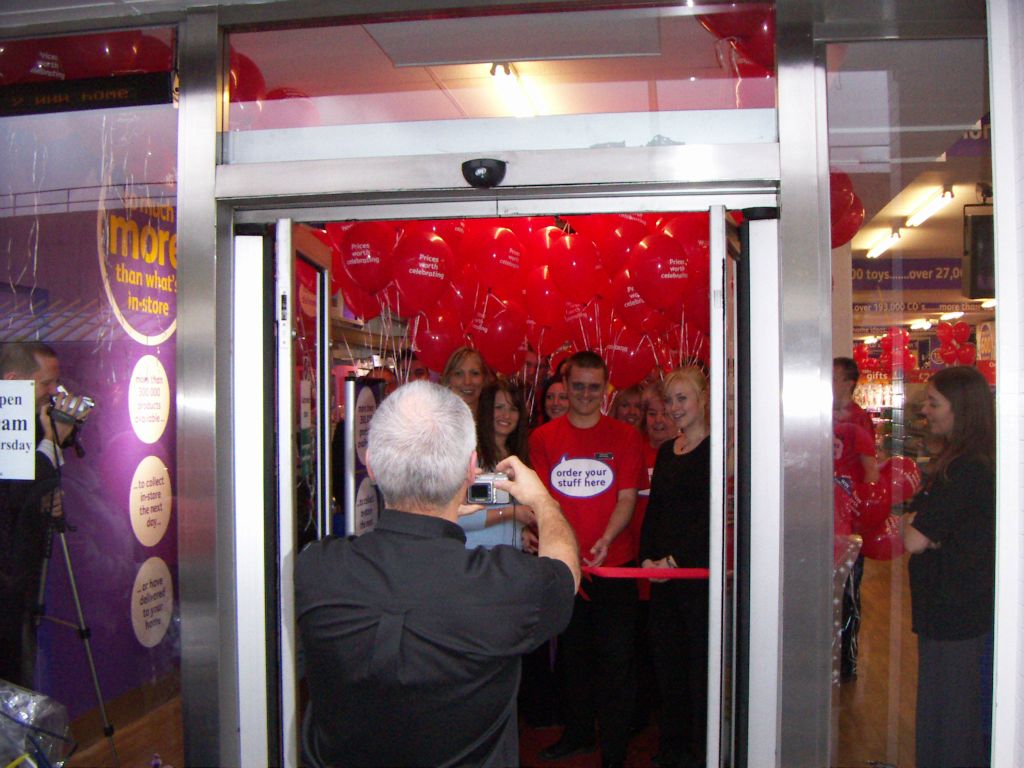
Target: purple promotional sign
109, 278
930, 274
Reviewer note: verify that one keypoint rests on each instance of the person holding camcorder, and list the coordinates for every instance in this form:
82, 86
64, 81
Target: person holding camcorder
28, 506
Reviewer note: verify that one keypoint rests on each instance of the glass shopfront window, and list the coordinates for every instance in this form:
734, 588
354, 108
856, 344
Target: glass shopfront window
503, 81
88, 152
914, 294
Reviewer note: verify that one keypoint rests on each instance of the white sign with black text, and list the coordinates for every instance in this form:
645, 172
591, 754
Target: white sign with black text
17, 429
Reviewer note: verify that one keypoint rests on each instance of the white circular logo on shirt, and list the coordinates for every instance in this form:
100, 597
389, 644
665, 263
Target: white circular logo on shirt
581, 478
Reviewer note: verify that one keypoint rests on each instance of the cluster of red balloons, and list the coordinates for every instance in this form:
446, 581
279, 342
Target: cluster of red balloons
954, 347
749, 31
867, 508
894, 353
847, 210
79, 57
633, 287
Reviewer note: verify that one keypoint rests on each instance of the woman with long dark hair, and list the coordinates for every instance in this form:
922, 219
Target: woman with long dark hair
501, 431
951, 537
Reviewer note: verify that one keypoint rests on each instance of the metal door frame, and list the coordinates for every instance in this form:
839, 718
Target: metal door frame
715, 202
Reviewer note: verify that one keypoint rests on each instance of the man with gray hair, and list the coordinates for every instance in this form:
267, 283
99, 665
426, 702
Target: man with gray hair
412, 642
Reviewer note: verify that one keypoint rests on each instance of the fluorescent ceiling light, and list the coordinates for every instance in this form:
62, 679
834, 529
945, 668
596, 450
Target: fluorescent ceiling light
884, 244
988, 304
951, 316
932, 205
871, 339
921, 325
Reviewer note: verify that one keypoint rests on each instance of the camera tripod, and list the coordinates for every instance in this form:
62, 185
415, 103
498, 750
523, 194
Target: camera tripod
57, 524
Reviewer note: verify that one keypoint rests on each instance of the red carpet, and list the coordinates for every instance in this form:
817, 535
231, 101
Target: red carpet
642, 747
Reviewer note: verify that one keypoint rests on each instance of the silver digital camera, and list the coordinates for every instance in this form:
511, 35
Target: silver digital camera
483, 491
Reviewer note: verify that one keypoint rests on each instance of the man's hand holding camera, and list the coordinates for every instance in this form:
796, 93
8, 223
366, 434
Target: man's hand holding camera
63, 414
556, 537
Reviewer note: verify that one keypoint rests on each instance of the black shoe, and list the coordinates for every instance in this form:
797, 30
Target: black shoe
564, 748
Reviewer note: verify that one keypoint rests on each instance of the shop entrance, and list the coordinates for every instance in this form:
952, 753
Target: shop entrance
298, 311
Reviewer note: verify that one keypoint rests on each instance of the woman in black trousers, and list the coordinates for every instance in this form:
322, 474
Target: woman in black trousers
951, 537
675, 534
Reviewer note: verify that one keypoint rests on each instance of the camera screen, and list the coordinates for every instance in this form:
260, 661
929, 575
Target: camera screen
479, 492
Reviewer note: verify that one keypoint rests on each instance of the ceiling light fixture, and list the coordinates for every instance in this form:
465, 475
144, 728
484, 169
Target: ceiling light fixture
932, 205
921, 325
945, 316
871, 339
510, 87
884, 244
988, 304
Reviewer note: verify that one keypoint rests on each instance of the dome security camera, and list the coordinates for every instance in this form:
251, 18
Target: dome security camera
484, 173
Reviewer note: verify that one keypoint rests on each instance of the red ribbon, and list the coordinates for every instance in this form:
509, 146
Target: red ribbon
646, 573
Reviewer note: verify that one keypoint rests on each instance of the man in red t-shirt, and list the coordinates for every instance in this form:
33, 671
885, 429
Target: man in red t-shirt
853, 435
593, 466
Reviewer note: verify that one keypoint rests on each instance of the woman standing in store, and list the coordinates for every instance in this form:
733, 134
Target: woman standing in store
554, 399
501, 431
951, 537
466, 374
675, 534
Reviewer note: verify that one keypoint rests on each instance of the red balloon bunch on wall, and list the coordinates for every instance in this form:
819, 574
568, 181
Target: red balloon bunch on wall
633, 288
954, 345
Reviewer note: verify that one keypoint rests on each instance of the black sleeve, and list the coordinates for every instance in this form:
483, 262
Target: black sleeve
656, 504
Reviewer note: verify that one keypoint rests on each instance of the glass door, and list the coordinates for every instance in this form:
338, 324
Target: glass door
376, 334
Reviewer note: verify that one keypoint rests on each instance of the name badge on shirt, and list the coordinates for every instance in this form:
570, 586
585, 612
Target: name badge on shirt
604, 456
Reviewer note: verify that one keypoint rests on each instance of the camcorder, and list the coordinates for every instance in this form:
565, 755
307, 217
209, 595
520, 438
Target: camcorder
483, 491
75, 408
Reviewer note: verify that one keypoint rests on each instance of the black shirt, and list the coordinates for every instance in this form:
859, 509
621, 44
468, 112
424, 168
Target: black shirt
952, 588
412, 642
678, 517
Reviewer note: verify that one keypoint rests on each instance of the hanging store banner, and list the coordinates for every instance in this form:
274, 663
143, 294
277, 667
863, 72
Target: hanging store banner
930, 274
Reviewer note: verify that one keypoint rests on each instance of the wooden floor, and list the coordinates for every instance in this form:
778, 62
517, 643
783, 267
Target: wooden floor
875, 712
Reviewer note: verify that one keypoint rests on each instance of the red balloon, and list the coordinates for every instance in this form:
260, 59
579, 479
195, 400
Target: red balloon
589, 324
101, 55
525, 226
17, 60
884, 542
464, 294
840, 194
661, 272
362, 304
365, 250
944, 332
496, 253
537, 247
948, 354
874, 505
450, 230
545, 303
629, 304
961, 332
861, 353
885, 342
752, 32
901, 475
420, 266
630, 357
153, 55
498, 330
617, 238
575, 267
966, 354
690, 227
436, 334
245, 80
848, 224
546, 339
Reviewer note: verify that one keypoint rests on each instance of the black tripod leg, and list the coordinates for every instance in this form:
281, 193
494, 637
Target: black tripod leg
84, 633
